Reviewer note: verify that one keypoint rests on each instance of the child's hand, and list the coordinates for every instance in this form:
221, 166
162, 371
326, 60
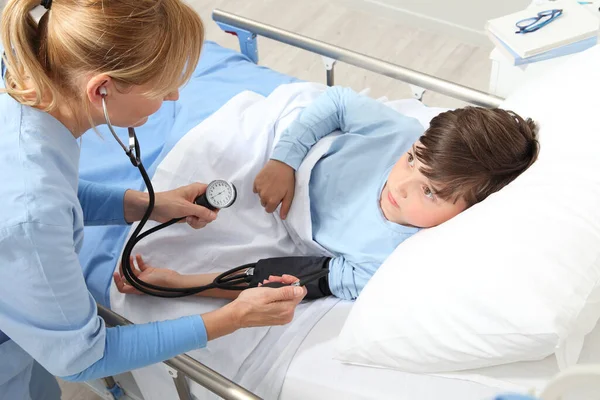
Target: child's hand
275, 184
155, 276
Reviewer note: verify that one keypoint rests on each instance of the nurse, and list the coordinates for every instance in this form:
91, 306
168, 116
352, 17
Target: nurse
139, 52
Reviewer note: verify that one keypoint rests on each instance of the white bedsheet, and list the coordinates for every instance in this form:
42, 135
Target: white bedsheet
233, 144
315, 375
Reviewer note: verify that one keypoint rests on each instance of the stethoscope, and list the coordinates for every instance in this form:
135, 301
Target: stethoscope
219, 194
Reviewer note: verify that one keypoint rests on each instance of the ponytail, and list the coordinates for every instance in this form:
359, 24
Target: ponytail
26, 78
135, 42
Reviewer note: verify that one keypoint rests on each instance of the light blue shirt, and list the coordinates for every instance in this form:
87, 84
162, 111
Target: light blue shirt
346, 183
45, 306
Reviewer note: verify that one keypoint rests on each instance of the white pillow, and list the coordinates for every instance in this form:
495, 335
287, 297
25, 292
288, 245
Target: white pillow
515, 277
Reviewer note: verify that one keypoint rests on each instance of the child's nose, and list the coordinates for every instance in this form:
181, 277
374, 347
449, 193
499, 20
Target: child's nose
402, 187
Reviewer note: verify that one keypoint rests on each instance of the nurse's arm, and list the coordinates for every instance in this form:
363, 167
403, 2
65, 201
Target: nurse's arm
102, 204
48, 311
135, 346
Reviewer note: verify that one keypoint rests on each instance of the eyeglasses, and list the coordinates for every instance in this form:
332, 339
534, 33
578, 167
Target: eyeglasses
532, 24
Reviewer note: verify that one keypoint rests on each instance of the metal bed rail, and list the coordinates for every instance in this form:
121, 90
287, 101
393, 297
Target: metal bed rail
412, 77
184, 365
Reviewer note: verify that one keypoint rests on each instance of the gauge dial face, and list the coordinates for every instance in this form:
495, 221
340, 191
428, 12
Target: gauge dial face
220, 194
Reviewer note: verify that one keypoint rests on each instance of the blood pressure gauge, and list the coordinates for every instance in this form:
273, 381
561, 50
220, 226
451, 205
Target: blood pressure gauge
219, 194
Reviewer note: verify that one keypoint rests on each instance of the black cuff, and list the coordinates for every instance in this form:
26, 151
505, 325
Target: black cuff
295, 266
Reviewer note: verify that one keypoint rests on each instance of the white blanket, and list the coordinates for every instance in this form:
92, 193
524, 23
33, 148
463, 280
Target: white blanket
233, 144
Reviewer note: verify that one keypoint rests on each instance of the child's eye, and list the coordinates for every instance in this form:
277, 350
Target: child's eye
411, 159
427, 192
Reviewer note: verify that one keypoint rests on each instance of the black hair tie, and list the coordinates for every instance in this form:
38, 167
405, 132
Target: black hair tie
46, 4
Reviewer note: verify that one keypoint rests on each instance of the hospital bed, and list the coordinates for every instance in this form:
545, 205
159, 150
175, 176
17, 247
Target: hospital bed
313, 373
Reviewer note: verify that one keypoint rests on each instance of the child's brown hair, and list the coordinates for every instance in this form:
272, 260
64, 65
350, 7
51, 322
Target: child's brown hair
473, 152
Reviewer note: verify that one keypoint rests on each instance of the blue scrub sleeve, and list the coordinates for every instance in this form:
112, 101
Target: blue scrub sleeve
347, 279
102, 204
48, 311
135, 346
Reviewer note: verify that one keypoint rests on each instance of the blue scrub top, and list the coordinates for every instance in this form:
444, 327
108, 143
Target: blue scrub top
46, 310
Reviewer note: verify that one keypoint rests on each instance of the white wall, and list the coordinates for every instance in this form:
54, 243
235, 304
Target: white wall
464, 19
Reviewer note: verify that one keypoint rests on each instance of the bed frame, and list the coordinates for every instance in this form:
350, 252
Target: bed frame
247, 32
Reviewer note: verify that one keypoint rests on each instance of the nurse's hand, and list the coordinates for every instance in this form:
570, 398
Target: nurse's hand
255, 307
171, 204
275, 184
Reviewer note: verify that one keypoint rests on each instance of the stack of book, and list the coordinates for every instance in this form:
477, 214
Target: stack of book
573, 31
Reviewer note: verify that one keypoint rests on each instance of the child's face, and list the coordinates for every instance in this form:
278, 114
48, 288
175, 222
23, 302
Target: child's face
408, 197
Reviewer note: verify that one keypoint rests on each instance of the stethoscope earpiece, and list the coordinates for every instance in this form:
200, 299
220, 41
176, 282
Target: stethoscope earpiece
133, 144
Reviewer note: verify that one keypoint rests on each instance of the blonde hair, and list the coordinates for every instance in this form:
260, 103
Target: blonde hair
133, 41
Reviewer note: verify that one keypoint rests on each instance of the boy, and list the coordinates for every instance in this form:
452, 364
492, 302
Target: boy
364, 201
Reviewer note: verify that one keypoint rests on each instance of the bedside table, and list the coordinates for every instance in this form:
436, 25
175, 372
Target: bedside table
505, 77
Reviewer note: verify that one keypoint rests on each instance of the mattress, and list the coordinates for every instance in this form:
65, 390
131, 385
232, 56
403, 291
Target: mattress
315, 374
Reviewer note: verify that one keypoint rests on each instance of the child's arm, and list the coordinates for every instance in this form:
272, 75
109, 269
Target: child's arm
171, 279
323, 116
347, 279
338, 108
187, 281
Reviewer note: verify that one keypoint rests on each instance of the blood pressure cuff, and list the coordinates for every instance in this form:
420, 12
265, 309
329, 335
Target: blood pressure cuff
295, 266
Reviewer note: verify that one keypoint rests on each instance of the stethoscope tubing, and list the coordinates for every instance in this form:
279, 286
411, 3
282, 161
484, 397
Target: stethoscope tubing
223, 281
